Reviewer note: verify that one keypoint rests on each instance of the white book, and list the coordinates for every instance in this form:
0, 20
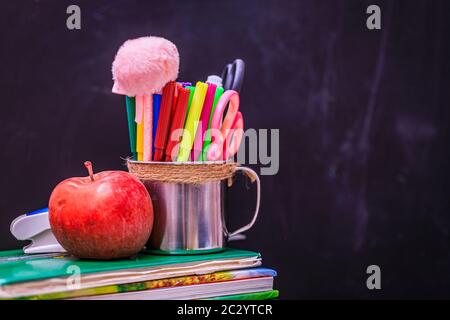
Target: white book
196, 291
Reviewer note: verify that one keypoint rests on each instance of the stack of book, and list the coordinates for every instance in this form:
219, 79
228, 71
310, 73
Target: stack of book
230, 274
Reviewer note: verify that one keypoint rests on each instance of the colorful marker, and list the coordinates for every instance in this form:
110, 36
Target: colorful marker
192, 121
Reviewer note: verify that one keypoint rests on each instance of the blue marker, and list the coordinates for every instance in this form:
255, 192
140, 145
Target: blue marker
156, 106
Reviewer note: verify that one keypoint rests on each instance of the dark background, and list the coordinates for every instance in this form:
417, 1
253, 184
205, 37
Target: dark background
363, 118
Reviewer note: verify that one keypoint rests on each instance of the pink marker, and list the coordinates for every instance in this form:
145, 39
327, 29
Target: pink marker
148, 127
203, 123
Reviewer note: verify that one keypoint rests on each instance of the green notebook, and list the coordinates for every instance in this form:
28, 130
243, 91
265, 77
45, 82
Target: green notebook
20, 276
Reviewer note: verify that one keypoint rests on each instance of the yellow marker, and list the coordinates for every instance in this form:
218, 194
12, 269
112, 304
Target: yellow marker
140, 131
190, 127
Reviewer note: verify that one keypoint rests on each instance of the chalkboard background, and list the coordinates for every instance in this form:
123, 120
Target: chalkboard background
363, 118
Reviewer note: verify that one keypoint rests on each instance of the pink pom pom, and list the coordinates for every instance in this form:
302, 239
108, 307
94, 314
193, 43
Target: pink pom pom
144, 66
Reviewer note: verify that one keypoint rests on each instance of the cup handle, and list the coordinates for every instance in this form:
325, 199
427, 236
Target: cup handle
236, 235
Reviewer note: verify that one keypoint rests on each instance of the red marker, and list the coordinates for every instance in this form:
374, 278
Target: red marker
179, 117
175, 97
165, 113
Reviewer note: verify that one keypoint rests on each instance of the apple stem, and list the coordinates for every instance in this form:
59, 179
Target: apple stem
88, 165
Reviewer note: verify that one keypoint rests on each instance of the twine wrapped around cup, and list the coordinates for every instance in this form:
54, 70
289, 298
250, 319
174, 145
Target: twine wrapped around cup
185, 172
188, 202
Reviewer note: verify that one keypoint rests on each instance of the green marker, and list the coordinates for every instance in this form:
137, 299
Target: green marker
131, 113
191, 95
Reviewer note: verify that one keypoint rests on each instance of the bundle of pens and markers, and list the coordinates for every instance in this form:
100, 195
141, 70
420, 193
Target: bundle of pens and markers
175, 121
188, 121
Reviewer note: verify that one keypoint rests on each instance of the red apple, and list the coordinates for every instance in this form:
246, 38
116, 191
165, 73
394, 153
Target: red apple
107, 215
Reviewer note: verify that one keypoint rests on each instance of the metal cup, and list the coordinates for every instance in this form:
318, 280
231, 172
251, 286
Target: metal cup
190, 218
